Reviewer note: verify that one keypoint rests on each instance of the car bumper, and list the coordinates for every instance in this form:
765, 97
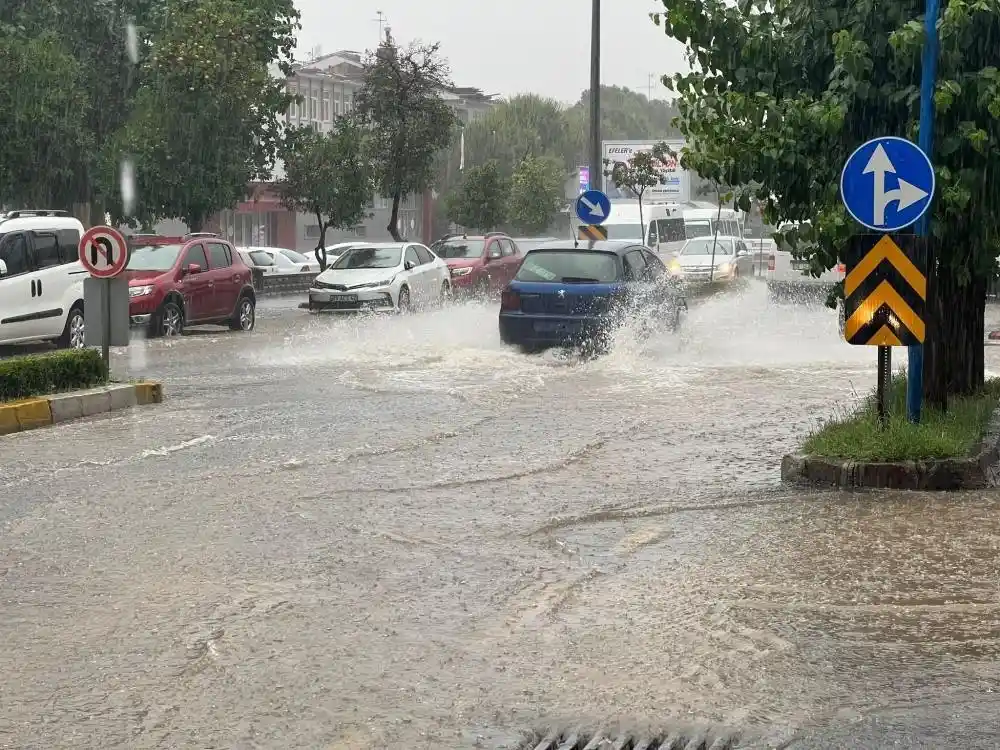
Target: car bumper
138, 321
550, 329
322, 300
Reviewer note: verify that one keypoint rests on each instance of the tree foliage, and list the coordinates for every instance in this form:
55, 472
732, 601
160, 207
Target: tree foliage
537, 194
409, 123
784, 91
327, 175
480, 201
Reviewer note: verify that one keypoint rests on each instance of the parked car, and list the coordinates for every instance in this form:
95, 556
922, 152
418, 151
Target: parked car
526, 244
712, 259
565, 295
201, 281
285, 261
41, 278
385, 277
789, 279
480, 265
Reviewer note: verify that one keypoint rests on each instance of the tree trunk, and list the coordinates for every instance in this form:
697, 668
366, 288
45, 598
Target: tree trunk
321, 247
394, 218
195, 223
953, 350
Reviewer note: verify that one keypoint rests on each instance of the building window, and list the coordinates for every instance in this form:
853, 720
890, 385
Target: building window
348, 101
338, 105
325, 112
293, 109
313, 108
250, 229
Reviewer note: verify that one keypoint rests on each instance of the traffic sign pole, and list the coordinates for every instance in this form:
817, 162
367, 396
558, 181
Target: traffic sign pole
928, 79
596, 164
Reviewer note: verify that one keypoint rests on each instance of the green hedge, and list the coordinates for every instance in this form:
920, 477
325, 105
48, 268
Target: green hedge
41, 374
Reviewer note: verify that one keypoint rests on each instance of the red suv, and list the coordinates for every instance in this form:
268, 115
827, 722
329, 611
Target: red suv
479, 265
198, 280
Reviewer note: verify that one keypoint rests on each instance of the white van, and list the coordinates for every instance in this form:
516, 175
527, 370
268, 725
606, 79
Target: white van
41, 278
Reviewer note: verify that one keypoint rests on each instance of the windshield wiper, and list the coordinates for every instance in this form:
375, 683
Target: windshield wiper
578, 280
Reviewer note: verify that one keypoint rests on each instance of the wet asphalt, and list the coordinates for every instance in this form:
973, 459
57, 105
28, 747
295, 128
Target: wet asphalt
364, 533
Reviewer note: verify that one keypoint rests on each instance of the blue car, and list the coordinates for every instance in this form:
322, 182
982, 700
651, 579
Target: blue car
563, 295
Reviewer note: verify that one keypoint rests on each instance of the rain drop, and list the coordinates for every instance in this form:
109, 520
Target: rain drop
128, 186
132, 43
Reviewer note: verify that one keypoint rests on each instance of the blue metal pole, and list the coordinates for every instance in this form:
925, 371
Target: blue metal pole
928, 79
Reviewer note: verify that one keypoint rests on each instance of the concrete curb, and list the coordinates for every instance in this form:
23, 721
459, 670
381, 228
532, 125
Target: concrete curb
28, 414
979, 470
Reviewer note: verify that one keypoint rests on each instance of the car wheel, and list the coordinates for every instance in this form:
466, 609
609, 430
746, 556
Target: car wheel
73, 334
169, 321
482, 289
403, 303
246, 315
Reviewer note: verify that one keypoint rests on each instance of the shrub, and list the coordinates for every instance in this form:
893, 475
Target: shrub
41, 374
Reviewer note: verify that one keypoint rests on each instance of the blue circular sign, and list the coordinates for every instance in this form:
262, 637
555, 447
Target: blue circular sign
887, 184
593, 207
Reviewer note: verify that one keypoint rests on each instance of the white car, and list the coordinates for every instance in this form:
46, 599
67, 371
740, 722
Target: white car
789, 280
694, 261
41, 278
390, 277
282, 260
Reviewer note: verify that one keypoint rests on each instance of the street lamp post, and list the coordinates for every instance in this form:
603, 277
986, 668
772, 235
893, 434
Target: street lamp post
596, 163
928, 79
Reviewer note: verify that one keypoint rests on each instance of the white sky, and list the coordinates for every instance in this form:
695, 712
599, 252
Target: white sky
510, 47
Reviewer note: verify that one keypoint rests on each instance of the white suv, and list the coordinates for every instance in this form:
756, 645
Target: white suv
41, 278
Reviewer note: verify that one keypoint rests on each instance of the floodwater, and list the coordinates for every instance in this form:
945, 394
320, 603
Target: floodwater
396, 531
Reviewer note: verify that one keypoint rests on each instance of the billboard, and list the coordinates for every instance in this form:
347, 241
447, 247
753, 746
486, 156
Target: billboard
675, 182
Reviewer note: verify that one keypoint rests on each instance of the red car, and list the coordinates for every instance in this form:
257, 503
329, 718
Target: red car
480, 265
197, 281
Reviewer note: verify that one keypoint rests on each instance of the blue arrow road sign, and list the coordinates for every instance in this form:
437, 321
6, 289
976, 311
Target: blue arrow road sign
593, 207
887, 184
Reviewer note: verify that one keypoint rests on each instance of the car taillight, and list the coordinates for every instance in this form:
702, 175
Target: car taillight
841, 268
770, 262
510, 300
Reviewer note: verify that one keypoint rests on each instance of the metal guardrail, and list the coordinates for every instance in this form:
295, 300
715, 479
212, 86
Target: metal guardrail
281, 283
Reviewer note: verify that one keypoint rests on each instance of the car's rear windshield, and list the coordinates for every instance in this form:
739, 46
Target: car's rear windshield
294, 256
704, 247
154, 257
458, 249
260, 258
569, 266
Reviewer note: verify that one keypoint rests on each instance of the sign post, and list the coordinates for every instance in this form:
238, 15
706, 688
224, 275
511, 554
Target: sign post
885, 290
592, 208
104, 252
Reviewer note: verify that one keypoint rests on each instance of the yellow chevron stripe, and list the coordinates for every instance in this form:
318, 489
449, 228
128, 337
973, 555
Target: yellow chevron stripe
884, 337
592, 232
884, 294
886, 249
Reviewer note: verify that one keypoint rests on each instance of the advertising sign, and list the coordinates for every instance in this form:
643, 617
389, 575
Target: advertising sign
584, 179
675, 182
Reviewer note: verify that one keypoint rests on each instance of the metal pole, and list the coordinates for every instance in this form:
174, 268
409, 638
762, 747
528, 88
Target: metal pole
915, 354
106, 324
884, 378
596, 163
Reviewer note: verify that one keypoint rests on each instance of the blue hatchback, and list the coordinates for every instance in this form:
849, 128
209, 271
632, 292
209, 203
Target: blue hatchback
564, 295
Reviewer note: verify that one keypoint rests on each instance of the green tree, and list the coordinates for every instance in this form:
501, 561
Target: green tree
785, 91
206, 120
409, 123
538, 189
43, 113
638, 174
480, 201
327, 175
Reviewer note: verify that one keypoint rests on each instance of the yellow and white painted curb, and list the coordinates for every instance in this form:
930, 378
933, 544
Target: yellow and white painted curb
18, 416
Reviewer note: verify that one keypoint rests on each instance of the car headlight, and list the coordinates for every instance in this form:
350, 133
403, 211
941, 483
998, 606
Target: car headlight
723, 268
675, 268
376, 284
140, 291
461, 271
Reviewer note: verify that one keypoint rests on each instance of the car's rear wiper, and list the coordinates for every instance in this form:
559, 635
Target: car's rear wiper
578, 280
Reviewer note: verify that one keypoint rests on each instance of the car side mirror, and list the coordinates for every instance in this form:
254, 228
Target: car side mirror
3, 268
409, 265
193, 268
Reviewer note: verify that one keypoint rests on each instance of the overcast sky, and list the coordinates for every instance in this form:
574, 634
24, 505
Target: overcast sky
509, 47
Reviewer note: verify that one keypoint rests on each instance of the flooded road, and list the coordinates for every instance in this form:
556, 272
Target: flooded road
357, 534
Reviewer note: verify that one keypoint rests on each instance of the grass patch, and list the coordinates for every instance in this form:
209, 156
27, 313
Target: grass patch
939, 435
43, 374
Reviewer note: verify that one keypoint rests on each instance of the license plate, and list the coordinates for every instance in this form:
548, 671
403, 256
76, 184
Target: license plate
344, 298
554, 327
800, 265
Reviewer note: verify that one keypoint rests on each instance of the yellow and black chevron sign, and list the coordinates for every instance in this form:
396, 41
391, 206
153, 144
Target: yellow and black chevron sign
593, 232
885, 290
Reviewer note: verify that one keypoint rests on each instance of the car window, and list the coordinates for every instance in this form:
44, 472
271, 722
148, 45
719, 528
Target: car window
217, 255
569, 266
295, 257
423, 254
411, 256
281, 260
46, 248
196, 255
69, 245
259, 258
635, 265
508, 248
655, 265
494, 248
14, 252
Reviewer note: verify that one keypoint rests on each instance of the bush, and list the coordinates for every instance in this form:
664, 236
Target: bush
950, 434
41, 374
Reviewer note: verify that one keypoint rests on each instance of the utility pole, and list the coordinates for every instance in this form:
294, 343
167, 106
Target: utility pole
596, 162
381, 20
928, 80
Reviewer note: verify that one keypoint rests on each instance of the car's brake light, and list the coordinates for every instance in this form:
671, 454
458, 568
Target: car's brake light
770, 262
510, 300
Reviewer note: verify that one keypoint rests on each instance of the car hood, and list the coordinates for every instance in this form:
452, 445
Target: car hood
704, 260
462, 262
356, 276
138, 277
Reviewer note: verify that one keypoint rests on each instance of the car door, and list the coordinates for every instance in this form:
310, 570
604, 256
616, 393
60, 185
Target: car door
493, 258
744, 262
19, 304
510, 261
433, 279
640, 288
52, 283
415, 277
197, 288
225, 278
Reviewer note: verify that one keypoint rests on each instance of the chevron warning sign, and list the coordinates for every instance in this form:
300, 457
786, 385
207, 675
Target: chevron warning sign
592, 232
885, 290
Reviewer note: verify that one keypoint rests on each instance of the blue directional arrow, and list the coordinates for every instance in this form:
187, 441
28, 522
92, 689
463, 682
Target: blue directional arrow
887, 184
